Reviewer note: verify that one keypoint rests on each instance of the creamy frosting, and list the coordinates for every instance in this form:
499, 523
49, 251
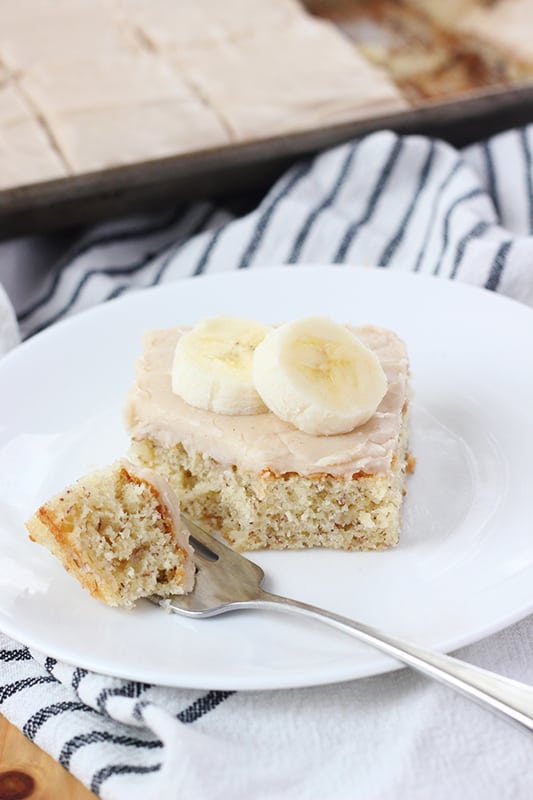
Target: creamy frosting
262, 442
171, 503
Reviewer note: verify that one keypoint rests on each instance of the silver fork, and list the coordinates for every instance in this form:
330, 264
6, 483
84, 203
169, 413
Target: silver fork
227, 581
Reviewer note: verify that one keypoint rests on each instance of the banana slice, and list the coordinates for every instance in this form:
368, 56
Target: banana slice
212, 367
318, 376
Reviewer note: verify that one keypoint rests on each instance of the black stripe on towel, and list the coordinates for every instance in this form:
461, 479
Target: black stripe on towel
50, 664
95, 737
16, 655
498, 266
446, 226
440, 191
201, 223
119, 769
35, 722
477, 231
529, 175
138, 709
84, 280
306, 228
116, 237
77, 677
376, 193
130, 689
117, 291
203, 706
392, 246
492, 183
262, 223
110, 272
173, 249
206, 255
12, 688
106, 239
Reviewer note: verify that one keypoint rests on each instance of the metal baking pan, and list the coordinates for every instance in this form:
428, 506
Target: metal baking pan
237, 169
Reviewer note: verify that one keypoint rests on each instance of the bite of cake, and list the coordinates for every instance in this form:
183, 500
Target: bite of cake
118, 531
287, 437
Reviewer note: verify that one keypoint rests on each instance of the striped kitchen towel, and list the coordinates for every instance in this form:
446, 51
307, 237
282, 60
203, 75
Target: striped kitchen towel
402, 203
407, 203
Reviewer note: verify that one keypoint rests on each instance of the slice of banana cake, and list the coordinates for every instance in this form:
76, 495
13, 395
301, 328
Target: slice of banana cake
118, 531
289, 436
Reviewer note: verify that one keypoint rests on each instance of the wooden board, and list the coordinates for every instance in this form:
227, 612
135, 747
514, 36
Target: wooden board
26, 771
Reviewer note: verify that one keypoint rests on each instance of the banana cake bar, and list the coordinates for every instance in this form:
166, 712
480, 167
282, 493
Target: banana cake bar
262, 482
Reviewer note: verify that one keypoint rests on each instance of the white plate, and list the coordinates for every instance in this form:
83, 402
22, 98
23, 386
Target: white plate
463, 569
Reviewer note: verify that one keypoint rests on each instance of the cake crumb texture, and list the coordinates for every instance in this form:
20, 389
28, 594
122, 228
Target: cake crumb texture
113, 531
261, 510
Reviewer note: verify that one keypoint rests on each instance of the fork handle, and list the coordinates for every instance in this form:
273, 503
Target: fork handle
510, 699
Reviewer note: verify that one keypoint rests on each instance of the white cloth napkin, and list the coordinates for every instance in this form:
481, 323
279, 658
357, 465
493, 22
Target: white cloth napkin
403, 203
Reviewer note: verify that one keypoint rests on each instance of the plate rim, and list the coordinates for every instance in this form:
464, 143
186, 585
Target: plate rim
387, 664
